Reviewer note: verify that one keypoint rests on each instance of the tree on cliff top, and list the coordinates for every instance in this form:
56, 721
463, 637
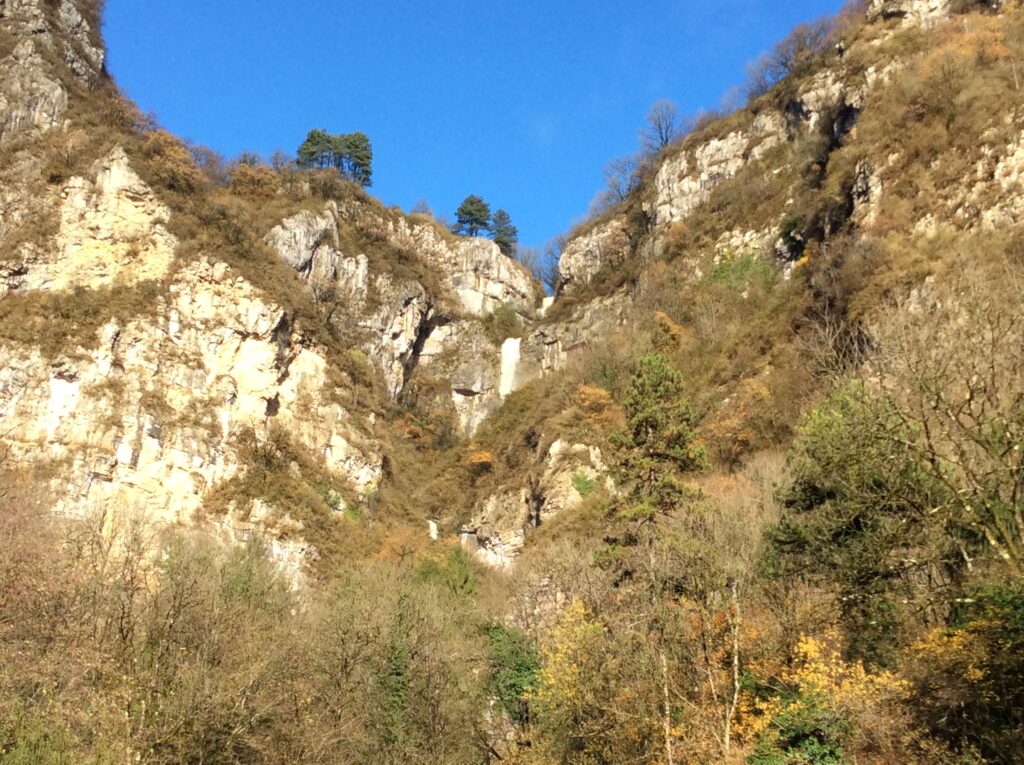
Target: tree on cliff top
473, 216
663, 126
505, 235
349, 153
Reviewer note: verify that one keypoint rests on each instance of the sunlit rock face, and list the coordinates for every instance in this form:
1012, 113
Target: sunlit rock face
142, 418
148, 419
567, 474
475, 272
410, 325
47, 41
584, 256
685, 181
112, 231
912, 11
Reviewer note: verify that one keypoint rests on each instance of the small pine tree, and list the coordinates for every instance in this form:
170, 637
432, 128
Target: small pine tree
505, 235
473, 216
657, 445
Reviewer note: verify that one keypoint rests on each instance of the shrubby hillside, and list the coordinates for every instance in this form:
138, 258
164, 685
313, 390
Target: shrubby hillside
290, 476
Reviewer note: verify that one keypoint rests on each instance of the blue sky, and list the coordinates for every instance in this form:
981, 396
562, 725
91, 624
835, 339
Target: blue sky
520, 102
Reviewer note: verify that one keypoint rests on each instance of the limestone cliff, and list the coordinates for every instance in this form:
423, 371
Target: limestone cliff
815, 185
45, 43
175, 351
413, 322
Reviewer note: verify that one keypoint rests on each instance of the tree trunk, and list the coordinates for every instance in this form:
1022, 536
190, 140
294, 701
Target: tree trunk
667, 711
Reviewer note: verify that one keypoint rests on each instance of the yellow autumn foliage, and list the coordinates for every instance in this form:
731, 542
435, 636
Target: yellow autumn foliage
572, 647
821, 674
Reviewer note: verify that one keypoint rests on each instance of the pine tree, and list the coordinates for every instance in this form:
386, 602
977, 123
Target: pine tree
316, 151
505, 235
657, 445
349, 153
473, 216
359, 158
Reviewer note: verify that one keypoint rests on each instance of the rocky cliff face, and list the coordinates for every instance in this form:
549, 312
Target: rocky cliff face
156, 408
807, 133
566, 474
47, 41
912, 11
111, 229
147, 422
685, 176
429, 323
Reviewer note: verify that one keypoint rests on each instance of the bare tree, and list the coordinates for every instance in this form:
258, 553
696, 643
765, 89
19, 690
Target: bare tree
790, 56
622, 177
422, 207
664, 125
952, 372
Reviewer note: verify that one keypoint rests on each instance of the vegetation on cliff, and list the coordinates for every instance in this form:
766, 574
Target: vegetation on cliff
810, 544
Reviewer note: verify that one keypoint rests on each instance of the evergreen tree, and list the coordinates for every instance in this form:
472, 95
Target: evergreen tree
505, 235
358, 158
473, 216
316, 152
349, 153
656, 446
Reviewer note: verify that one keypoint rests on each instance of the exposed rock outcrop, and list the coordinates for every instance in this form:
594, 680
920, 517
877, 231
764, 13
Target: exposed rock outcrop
911, 11
112, 230
478, 275
48, 36
685, 181
148, 421
566, 475
604, 245
308, 242
408, 324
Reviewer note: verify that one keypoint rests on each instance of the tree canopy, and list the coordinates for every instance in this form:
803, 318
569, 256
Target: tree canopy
351, 154
473, 216
505, 235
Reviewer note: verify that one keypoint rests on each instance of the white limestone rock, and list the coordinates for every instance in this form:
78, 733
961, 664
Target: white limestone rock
475, 271
685, 181
30, 96
112, 231
500, 529
922, 12
585, 255
309, 243
146, 422
33, 94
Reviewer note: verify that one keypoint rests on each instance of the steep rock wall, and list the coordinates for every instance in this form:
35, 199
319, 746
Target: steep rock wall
51, 37
147, 416
111, 230
410, 326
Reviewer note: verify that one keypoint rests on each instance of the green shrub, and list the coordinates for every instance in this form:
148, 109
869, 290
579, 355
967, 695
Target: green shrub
583, 484
807, 731
739, 271
454, 574
502, 324
515, 670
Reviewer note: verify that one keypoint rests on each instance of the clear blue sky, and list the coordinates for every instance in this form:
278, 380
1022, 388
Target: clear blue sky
521, 102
